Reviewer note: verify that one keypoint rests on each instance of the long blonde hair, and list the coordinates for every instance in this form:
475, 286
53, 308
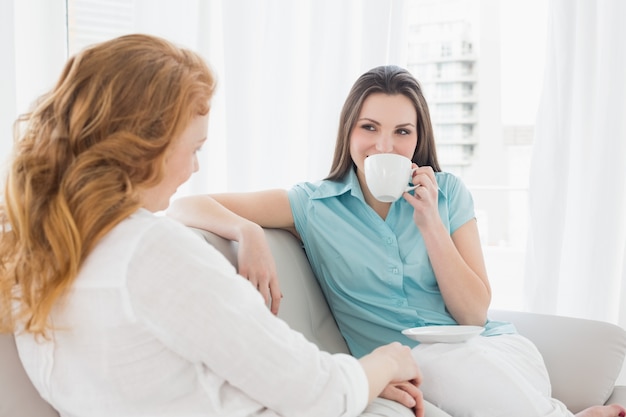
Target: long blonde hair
80, 157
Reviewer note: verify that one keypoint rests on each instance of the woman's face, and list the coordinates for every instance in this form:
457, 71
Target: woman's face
181, 161
386, 124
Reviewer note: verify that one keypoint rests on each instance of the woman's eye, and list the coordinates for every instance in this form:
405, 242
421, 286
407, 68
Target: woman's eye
371, 128
404, 132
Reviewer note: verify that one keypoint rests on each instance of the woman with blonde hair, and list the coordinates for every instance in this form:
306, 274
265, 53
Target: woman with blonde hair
121, 312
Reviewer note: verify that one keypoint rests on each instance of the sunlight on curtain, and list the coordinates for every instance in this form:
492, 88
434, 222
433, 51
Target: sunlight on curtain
284, 69
576, 262
8, 109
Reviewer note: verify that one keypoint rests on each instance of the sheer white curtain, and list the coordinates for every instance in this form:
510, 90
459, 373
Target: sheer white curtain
7, 80
285, 68
577, 242
33, 50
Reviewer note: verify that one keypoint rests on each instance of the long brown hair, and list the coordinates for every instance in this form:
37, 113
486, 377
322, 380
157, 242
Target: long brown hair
390, 80
80, 157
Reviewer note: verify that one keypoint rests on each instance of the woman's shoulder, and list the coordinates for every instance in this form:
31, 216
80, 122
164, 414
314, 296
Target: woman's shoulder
148, 236
449, 183
322, 189
143, 221
144, 227
306, 186
142, 237
444, 177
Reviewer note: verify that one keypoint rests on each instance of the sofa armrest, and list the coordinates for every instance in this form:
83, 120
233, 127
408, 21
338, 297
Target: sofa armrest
583, 357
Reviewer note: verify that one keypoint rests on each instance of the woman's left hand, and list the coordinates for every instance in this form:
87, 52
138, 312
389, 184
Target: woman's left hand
256, 264
425, 197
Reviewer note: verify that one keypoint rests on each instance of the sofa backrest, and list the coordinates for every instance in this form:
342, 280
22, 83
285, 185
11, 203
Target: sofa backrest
583, 357
303, 306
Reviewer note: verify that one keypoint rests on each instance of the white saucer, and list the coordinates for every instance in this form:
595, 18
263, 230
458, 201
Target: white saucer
442, 334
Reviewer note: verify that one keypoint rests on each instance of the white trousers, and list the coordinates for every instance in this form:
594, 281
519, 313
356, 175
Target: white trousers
498, 376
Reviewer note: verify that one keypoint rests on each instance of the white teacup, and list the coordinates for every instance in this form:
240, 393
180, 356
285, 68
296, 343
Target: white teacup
388, 176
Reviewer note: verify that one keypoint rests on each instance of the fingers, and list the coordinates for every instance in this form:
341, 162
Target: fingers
417, 396
394, 392
264, 289
267, 285
617, 409
407, 394
612, 410
419, 406
421, 192
425, 184
276, 295
413, 395
256, 264
424, 200
424, 176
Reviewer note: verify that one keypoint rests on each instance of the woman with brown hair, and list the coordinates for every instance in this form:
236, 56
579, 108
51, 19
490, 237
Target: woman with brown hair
388, 266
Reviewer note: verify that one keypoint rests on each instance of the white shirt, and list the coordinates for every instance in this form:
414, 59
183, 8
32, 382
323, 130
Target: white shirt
158, 323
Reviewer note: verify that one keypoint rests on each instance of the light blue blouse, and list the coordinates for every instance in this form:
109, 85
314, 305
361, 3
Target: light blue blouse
375, 273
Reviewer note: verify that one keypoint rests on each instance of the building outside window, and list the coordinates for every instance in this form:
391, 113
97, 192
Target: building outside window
464, 85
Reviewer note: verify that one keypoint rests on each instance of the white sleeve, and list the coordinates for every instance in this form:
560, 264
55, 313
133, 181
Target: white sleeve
192, 299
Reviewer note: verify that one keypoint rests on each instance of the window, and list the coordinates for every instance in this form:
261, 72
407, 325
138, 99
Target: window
475, 143
91, 21
468, 85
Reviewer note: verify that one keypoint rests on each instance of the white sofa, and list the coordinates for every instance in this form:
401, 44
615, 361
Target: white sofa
584, 357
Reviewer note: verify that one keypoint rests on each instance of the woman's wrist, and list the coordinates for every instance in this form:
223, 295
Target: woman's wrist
248, 230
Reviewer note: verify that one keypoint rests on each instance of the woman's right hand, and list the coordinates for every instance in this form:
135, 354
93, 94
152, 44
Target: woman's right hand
240, 217
257, 265
406, 369
391, 368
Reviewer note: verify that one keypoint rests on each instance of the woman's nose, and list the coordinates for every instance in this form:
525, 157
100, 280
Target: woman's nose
384, 144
